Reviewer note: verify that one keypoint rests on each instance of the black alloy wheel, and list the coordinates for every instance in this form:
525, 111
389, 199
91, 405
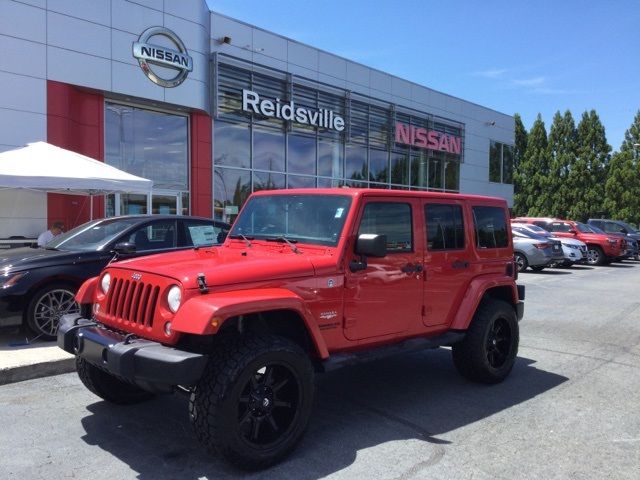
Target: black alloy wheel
488, 352
254, 399
498, 345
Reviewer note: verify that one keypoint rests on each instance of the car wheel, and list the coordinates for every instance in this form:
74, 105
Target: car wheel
595, 255
46, 308
521, 261
254, 400
537, 268
108, 387
489, 350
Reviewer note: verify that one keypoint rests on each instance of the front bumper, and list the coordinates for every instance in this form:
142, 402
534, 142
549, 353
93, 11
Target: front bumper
150, 365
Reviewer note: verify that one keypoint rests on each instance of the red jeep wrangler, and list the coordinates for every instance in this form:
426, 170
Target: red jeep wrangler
308, 280
601, 248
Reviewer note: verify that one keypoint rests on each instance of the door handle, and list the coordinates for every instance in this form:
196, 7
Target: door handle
410, 268
460, 264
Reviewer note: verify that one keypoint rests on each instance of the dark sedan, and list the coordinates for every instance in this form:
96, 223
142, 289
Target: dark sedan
38, 285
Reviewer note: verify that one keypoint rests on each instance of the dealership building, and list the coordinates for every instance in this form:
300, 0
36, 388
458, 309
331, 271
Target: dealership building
211, 108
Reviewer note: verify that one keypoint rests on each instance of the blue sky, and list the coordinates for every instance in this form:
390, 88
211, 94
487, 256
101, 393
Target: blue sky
527, 57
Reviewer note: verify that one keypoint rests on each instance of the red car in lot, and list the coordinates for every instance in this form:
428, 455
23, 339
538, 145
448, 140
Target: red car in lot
601, 248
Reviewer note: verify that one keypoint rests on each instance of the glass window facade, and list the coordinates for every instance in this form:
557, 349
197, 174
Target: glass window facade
500, 162
153, 145
252, 151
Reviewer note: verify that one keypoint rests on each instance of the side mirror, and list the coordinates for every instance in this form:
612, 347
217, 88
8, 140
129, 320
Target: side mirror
368, 245
371, 245
573, 232
125, 248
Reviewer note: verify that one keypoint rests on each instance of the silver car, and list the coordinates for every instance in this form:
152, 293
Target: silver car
575, 251
536, 252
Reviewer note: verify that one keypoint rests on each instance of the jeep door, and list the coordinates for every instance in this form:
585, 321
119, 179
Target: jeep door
447, 260
386, 297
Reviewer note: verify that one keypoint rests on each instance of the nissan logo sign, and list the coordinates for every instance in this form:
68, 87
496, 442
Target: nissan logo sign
172, 59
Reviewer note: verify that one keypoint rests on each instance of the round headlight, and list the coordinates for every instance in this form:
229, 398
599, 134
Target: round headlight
174, 297
105, 283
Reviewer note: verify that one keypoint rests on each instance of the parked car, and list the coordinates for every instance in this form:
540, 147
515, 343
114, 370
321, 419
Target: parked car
534, 251
601, 248
38, 285
331, 277
619, 227
575, 251
631, 245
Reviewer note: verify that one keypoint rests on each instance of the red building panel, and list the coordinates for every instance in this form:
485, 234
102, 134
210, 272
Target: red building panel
75, 121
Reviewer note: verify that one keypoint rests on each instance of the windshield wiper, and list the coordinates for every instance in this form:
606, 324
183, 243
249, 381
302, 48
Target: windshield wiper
286, 240
247, 240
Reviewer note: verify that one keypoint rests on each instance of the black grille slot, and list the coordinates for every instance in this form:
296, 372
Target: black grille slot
133, 302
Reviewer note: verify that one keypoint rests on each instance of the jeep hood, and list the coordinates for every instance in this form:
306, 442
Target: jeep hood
224, 266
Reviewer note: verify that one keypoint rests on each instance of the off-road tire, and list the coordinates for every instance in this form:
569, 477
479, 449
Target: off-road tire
489, 350
595, 255
521, 262
47, 306
251, 384
108, 387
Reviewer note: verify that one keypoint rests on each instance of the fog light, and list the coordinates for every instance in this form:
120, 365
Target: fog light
167, 329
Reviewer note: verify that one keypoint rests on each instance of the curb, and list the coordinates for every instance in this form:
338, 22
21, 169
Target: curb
37, 370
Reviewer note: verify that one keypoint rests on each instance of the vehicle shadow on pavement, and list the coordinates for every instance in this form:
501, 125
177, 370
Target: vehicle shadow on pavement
412, 397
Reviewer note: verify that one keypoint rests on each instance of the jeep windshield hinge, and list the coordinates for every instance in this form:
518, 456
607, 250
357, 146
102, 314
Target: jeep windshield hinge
357, 265
202, 283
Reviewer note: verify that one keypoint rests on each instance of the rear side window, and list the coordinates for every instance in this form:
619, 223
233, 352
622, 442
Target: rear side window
445, 228
392, 220
559, 227
491, 227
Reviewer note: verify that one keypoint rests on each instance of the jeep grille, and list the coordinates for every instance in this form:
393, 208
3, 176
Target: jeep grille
132, 301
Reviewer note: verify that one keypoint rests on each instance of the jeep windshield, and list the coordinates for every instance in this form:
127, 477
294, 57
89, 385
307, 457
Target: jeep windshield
313, 219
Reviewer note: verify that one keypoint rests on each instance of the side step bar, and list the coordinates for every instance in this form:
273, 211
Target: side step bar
340, 360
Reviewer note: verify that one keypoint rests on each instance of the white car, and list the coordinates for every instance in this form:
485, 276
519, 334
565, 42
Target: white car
575, 251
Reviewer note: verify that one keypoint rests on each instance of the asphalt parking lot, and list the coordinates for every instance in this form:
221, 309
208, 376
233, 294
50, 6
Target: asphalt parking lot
570, 409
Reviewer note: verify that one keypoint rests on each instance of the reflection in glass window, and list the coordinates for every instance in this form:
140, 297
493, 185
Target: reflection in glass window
491, 227
435, 174
267, 181
330, 159
507, 164
302, 218
268, 150
301, 156
149, 144
232, 144
298, 181
400, 168
231, 188
133, 204
392, 220
452, 175
378, 165
356, 164
500, 162
445, 229
419, 170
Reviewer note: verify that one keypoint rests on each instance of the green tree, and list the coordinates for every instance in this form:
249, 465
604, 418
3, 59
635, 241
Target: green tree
518, 157
562, 157
533, 198
631, 141
587, 177
622, 187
